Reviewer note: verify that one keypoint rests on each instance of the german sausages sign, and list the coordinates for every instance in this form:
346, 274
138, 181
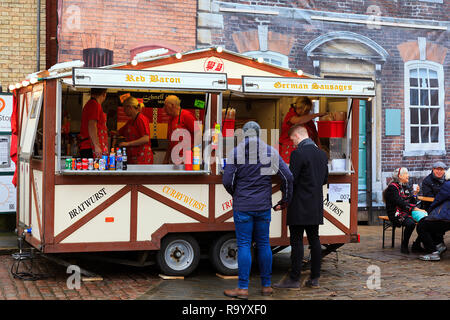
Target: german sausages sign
315, 87
103, 78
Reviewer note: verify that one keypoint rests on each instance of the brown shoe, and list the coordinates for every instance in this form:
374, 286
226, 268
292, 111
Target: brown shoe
237, 293
266, 291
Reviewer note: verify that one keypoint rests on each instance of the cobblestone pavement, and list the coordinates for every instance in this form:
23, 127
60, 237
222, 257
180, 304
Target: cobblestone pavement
347, 275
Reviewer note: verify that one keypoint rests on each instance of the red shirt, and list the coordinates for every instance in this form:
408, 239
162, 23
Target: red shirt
133, 130
187, 120
93, 111
286, 144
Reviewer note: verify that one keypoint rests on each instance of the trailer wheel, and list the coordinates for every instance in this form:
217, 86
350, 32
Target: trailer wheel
179, 255
223, 254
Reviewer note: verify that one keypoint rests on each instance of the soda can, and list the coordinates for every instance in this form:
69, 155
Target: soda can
96, 164
84, 164
90, 164
69, 164
74, 164
79, 164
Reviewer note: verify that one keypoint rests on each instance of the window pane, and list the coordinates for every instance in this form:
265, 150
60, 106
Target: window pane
434, 97
414, 134
414, 97
435, 134
424, 116
423, 75
434, 113
433, 79
413, 78
424, 134
424, 98
414, 115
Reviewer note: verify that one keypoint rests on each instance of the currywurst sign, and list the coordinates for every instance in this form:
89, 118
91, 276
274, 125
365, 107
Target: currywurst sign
122, 78
316, 87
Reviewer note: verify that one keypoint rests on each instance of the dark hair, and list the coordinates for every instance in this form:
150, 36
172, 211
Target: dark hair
97, 91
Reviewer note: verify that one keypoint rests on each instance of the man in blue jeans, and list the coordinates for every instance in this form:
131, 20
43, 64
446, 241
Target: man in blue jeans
248, 178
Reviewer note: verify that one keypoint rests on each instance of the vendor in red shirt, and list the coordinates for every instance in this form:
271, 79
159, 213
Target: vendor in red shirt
179, 119
93, 132
299, 113
137, 133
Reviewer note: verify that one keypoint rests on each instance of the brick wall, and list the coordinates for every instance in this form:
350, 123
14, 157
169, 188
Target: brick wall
389, 38
393, 8
120, 26
18, 19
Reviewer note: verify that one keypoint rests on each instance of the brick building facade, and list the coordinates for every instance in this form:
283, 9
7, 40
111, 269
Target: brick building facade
121, 29
401, 45
18, 40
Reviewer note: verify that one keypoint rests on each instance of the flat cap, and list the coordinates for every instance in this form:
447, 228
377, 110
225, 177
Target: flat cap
439, 164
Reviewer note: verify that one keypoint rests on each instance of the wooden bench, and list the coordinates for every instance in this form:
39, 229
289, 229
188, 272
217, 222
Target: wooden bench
386, 225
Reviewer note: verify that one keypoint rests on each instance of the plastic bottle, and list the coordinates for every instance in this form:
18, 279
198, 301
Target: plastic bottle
119, 160
124, 159
196, 158
112, 160
103, 165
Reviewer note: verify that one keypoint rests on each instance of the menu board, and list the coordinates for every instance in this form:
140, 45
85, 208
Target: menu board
7, 195
6, 101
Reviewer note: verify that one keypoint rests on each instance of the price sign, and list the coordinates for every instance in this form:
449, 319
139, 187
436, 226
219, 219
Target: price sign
339, 192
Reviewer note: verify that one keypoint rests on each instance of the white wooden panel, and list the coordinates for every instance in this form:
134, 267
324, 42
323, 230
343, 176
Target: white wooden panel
152, 214
100, 229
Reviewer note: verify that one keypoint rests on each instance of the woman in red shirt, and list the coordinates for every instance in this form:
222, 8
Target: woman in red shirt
299, 113
137, 133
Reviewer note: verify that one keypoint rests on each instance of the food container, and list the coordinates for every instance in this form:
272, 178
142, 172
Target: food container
331, 129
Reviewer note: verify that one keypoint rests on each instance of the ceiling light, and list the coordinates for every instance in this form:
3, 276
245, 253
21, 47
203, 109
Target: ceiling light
178, 55
219, 49
134, 62
260, 59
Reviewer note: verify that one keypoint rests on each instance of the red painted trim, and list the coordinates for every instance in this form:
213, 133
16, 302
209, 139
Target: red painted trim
335, 222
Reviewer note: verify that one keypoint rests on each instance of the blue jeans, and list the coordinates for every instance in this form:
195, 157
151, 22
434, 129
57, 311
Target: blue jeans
249, 224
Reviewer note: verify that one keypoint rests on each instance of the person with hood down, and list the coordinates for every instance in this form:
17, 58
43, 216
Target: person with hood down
248, 178
438, 221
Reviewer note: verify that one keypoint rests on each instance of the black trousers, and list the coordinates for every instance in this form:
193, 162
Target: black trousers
296, 239
409, 225
428, 229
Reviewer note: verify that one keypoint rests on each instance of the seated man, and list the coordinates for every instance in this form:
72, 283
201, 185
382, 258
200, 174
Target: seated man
437, 222
432, 183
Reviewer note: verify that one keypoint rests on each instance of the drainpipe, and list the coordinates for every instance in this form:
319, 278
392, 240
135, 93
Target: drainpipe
38, 36
369, 160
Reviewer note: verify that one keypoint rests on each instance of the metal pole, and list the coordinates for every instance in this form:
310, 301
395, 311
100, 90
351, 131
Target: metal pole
38, 36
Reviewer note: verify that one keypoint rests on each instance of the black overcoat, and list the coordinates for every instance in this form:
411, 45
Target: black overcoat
309, 167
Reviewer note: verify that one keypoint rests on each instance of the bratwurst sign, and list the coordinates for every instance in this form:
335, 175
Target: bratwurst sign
315, 87
121, 78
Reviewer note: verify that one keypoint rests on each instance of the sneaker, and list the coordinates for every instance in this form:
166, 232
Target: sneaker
441, 248
431, 257
312, 283
287, 283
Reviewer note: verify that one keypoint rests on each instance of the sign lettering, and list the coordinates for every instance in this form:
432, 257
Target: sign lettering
184, 198
87, 203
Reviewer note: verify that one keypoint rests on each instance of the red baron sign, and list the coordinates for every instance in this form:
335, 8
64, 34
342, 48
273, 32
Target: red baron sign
6, 101
213, 64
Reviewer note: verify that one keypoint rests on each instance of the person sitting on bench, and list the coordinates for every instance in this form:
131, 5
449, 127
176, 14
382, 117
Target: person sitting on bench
437, 222
400, 202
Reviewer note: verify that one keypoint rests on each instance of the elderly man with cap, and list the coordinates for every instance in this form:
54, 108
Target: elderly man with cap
431, 186
433, 182
248, 178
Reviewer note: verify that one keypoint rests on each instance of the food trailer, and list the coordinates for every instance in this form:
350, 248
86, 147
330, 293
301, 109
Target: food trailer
176, 214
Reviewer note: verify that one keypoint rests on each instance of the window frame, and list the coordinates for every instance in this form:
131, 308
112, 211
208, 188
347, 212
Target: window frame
270, 55
414, 149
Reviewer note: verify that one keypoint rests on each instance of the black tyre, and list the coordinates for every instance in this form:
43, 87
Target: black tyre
223, 254
179, 255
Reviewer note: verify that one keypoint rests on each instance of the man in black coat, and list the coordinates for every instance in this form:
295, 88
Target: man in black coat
309, 167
